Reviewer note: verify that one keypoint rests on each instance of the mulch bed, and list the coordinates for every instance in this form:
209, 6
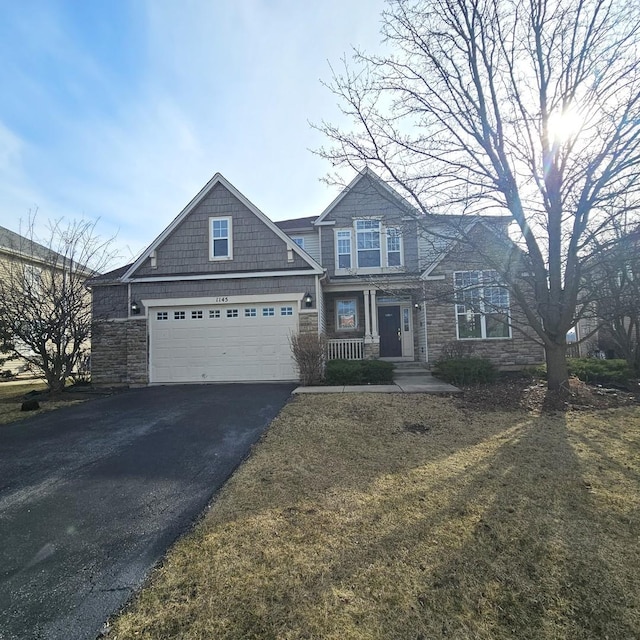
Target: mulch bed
533, 395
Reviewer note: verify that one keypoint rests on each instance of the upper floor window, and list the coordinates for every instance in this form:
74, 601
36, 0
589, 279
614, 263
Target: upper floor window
221, 239
368, 243
394, 248
376, 246
299, 241
482, 305
343, 240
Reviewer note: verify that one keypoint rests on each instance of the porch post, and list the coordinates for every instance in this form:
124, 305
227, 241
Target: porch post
367, 314
374, 315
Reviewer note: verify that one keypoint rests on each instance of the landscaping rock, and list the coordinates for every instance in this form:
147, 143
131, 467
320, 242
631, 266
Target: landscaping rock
30, 405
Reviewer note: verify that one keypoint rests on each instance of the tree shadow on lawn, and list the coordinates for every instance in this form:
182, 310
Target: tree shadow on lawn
522, 545
470, 526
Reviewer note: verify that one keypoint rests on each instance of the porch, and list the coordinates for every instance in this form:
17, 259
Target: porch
369, 324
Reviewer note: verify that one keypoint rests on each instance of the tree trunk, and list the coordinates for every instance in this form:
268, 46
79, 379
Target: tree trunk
557, 371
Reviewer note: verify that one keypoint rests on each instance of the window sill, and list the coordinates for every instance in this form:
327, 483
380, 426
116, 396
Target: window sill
489, 339
368, 271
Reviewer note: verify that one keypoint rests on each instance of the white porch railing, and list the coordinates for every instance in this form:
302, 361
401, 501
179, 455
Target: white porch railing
345, 349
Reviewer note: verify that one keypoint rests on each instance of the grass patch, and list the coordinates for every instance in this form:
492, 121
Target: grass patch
409, 517
13, 394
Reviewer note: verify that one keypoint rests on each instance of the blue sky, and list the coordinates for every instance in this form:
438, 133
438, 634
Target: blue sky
121, 111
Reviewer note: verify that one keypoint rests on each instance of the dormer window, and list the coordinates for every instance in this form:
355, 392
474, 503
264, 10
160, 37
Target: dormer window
220, 239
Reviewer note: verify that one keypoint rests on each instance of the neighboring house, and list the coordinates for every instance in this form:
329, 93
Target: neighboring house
22, 258
218, 294
610, 326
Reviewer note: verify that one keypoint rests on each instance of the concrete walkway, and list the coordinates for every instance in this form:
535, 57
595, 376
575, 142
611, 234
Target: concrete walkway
410, 377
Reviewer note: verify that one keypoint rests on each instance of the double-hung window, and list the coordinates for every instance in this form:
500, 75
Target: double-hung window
394, 248
482, 305
343, 238
220, 239
368, 243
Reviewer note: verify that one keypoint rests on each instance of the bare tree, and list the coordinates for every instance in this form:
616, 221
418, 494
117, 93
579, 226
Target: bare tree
45, 306
530, 107
616, 275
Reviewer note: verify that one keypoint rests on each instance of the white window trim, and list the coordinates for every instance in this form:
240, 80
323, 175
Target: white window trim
355, 327
229, 255
299, 240
386, 247
482, 312
350, 254
355, 268
381, 234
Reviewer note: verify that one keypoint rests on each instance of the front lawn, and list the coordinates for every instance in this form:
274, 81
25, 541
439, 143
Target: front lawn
413, 517
13, 394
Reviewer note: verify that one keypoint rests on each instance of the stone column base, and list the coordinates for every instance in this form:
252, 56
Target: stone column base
371, 350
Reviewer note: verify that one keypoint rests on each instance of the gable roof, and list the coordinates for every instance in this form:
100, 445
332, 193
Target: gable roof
14, 243
297, 224
111, 277
218, 178
17, 245
445, 245
379, 184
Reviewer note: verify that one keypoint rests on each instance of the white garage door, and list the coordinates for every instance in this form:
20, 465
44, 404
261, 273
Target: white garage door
222, 343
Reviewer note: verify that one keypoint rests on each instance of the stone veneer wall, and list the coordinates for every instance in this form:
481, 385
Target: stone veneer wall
119, 352
308, 322
371, 350
513, 353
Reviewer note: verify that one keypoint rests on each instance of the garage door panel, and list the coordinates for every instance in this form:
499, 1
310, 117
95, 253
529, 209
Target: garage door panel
223, 348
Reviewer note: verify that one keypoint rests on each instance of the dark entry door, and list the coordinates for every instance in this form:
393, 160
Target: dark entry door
389, 330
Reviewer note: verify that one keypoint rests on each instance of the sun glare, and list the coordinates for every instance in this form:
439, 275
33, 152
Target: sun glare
564, 125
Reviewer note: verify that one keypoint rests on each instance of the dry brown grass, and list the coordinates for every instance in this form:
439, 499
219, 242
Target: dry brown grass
407, 517
12, 395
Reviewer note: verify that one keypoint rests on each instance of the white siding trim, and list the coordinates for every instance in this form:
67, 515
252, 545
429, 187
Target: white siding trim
150, 303
223, 276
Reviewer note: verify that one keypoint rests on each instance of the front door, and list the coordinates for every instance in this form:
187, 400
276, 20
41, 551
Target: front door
390, 332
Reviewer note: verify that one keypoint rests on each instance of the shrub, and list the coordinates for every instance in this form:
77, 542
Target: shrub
465, 370
358, 372
600, 371
377, 372
343, 372
538, 371
309, 353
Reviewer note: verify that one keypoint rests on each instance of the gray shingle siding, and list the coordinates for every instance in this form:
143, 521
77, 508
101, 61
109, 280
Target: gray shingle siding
365, 200
112, 301
109, 302
255, 246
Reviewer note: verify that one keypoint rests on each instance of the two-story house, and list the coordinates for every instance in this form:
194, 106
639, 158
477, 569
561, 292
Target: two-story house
217, 295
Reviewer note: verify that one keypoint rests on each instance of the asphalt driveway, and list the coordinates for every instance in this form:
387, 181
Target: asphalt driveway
92, 496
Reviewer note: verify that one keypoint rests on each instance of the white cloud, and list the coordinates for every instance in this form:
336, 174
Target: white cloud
226, 86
